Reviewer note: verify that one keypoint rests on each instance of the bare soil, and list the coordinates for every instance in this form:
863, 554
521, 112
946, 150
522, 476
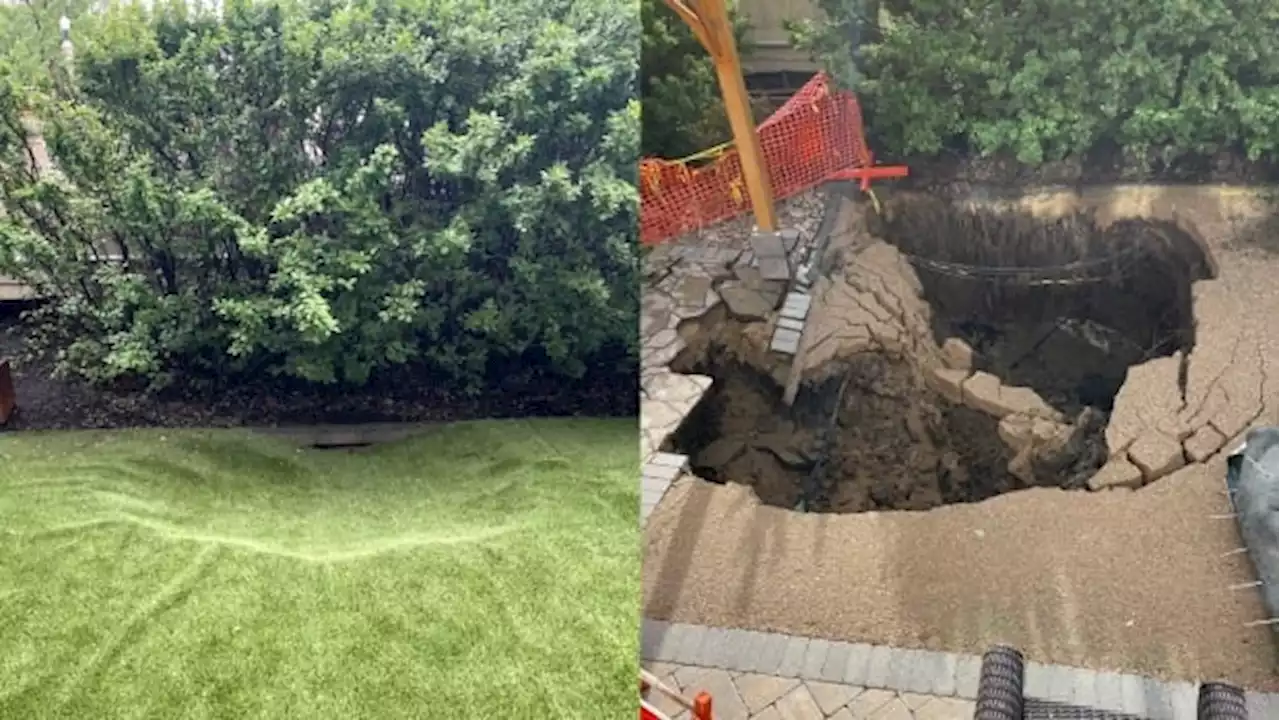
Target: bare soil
408, 394
1084, 305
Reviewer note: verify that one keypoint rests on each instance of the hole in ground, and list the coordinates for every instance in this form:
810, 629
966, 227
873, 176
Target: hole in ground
1062, 306
1083, 305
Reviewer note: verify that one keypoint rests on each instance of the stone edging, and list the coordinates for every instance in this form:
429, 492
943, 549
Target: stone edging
656, 476
924, 672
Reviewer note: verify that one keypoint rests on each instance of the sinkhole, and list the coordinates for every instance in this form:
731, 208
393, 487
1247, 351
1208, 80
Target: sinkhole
1057, 309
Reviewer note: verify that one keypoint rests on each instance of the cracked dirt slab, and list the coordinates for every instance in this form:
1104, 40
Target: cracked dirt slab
1123, 580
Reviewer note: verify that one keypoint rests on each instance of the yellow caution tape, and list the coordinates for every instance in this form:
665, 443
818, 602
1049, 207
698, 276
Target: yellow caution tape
735, 191
875, 201
708, 154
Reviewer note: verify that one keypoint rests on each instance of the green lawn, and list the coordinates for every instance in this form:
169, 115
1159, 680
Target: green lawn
483, 570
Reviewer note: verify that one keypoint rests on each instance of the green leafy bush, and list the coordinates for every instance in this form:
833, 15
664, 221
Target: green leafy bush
30, 37
1043, 80
683, 109
320, 189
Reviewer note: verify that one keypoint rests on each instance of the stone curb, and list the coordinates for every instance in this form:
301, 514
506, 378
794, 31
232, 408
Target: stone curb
656, 475
924, 672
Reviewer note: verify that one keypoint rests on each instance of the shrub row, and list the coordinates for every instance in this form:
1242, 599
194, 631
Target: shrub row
321, 189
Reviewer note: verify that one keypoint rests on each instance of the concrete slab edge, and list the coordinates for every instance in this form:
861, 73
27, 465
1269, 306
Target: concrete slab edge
657, 474
918, 671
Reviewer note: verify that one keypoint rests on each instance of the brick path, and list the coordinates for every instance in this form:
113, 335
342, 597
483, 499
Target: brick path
752, 696
772, 676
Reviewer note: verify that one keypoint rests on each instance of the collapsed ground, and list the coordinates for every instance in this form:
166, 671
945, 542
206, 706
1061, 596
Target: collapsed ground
408, 394
1051, 314
1144, 582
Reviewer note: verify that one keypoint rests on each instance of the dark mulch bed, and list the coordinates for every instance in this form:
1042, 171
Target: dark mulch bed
407, 395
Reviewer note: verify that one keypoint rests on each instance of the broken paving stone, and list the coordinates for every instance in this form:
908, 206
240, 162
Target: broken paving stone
768, 245
1017, 399
948, 382
775, 268
790, 238
1203, 443
785, 341
982, 392
1016, 430
957, 355
1156, 455
721, 452
790, 450
745, 303
1117, 473
791, 324
692, 291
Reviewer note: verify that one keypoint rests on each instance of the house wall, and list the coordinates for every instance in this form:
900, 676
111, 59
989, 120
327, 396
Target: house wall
772, 50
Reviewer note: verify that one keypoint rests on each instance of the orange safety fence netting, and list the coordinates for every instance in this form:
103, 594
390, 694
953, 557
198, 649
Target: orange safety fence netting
814, 136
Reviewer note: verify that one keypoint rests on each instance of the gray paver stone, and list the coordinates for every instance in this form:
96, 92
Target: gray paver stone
1084, 689
790, 237
791, 324
712, 648
735, 649
1035, 680
855, 668
772, 650
670, 459
689, 642
837, 659
1061, 683
653, 634
968, 672
879, 667
903, 664
1156, 695
774, 268
767, 244
815, 656
752, 643
660, 473
792, 657
1131, 690
1262, 705
651, 494
784, 340
944, 680
1184, 697
926, 666
1110, 695
798, 302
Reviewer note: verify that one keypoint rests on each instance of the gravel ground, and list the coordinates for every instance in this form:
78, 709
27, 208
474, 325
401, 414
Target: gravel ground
1133, 582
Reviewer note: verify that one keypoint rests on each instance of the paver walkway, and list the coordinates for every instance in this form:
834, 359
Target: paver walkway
754, 675
753, 696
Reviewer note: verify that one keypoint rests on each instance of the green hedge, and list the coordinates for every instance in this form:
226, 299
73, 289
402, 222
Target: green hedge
321, 190
1044, 80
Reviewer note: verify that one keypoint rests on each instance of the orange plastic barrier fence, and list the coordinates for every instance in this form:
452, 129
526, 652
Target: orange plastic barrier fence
698, 709
816, 136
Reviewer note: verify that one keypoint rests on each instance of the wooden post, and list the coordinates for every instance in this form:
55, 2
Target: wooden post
709, 21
